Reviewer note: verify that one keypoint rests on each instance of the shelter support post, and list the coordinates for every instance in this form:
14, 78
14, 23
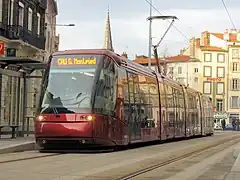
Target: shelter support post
18, 118
24, 104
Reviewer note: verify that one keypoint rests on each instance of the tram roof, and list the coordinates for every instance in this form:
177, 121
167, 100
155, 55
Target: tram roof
90, 51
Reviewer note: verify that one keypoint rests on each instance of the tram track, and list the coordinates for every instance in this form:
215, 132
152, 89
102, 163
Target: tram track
226, 142
29, 158
53, 154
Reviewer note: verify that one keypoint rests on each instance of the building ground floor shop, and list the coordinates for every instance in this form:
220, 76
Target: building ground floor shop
231, 119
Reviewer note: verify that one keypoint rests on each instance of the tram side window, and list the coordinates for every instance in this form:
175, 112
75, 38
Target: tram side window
122, 110
198, 111
144, 99
134, 101
181, 104
192, 108
163, 101
176, 106
105, 101
153, 100
170, 105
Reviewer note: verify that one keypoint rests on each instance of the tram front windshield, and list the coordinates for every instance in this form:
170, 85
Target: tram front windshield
69, 84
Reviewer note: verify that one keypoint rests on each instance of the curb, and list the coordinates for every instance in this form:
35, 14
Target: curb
236, 151
27, 146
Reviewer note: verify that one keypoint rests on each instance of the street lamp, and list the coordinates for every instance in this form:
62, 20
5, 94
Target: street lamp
65, 24
59, 25
150, 37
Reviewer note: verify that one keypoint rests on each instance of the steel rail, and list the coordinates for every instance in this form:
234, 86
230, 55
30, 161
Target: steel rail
29, 158
230, 141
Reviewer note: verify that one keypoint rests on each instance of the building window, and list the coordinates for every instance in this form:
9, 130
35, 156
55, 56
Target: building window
219, 107
220, 88
20, 14
38, 23
235, 84
195, 70
220, 72
10, 12
234, 102
221, 58
30, 17
1, 10
179, 70
235, 53
207, 71
234, 67
196, 79
207, 57
207, 87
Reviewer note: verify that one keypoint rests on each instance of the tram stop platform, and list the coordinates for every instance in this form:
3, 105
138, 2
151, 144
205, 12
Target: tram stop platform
234, 173
8, 145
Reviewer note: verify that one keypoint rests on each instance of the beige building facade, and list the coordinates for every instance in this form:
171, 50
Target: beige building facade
211, 64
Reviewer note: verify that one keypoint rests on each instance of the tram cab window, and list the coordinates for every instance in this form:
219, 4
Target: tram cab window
105, 98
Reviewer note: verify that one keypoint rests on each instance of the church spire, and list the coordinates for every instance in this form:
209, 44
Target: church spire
108, 35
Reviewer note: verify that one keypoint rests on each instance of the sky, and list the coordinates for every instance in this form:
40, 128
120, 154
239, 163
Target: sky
130, 29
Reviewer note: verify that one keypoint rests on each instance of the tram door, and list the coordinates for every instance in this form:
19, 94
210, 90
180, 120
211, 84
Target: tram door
134, 99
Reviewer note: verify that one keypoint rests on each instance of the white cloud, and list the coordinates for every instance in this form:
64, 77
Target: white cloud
131, 35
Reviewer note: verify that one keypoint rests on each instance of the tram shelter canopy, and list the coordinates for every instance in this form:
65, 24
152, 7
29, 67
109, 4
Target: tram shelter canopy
20, 67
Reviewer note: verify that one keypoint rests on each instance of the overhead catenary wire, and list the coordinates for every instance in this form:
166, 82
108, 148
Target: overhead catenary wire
167, 20
229, 16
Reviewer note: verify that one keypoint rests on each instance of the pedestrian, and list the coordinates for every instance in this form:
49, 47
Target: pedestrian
234, 124
223, 124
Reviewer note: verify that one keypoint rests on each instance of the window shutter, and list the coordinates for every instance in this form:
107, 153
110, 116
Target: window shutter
230, 84
231, 67
238, 84
238, 104
230, 102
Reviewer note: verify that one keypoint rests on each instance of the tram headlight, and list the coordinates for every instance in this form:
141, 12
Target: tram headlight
41, 118
89, 118
86, 118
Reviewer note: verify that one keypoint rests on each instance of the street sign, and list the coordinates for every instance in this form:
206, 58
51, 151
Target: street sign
1, 48
214, 79
220, 115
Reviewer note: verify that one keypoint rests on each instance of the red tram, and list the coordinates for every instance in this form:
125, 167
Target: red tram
96, 97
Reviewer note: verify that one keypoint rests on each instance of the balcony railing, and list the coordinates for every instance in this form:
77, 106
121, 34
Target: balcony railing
42, 3
16, 32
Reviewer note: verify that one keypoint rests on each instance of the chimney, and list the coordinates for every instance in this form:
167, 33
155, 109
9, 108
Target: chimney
197, 43
124, 54
205, 37
226, 35
182, 51
192, 47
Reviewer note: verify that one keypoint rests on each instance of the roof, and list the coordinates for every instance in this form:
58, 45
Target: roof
232, 36
180, 58
234, 46
212, 48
